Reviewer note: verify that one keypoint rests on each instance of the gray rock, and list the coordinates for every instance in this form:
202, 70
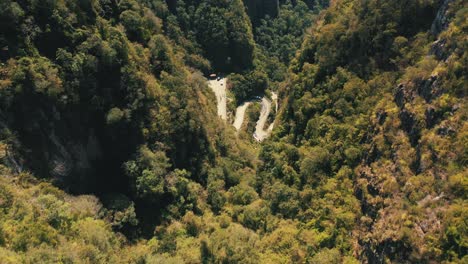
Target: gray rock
442, 20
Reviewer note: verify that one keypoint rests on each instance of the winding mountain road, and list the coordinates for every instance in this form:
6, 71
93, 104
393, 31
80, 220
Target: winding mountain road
240, 113
260, 134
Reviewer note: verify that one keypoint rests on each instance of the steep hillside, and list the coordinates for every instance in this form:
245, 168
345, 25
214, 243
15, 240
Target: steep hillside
371, 145
221, 29
83, 104
110, 106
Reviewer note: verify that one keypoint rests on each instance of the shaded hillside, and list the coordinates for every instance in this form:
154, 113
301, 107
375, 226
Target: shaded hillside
258, 9
112, 109
82, 106
220, 28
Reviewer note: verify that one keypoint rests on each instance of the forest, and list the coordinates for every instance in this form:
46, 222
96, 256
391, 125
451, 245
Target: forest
112, 150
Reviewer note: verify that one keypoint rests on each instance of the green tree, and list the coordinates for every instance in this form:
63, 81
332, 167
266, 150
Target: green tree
148, 173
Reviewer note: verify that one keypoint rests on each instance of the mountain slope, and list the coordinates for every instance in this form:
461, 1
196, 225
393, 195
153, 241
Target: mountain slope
371, 142
111, 150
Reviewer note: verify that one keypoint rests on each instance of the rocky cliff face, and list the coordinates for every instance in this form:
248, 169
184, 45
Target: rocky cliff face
55, 146
71, 144
425, 117
442, 18
440, 24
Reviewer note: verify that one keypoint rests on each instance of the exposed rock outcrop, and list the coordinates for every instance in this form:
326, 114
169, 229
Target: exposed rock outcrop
440, 24
442, 20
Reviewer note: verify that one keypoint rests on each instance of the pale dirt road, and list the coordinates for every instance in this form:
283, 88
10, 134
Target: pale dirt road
240, 113
219, 88
260, 133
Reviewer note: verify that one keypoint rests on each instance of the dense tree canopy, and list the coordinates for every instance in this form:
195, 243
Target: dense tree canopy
361, 145
111, 150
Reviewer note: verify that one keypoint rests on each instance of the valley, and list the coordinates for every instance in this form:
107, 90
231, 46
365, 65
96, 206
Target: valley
332, 131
